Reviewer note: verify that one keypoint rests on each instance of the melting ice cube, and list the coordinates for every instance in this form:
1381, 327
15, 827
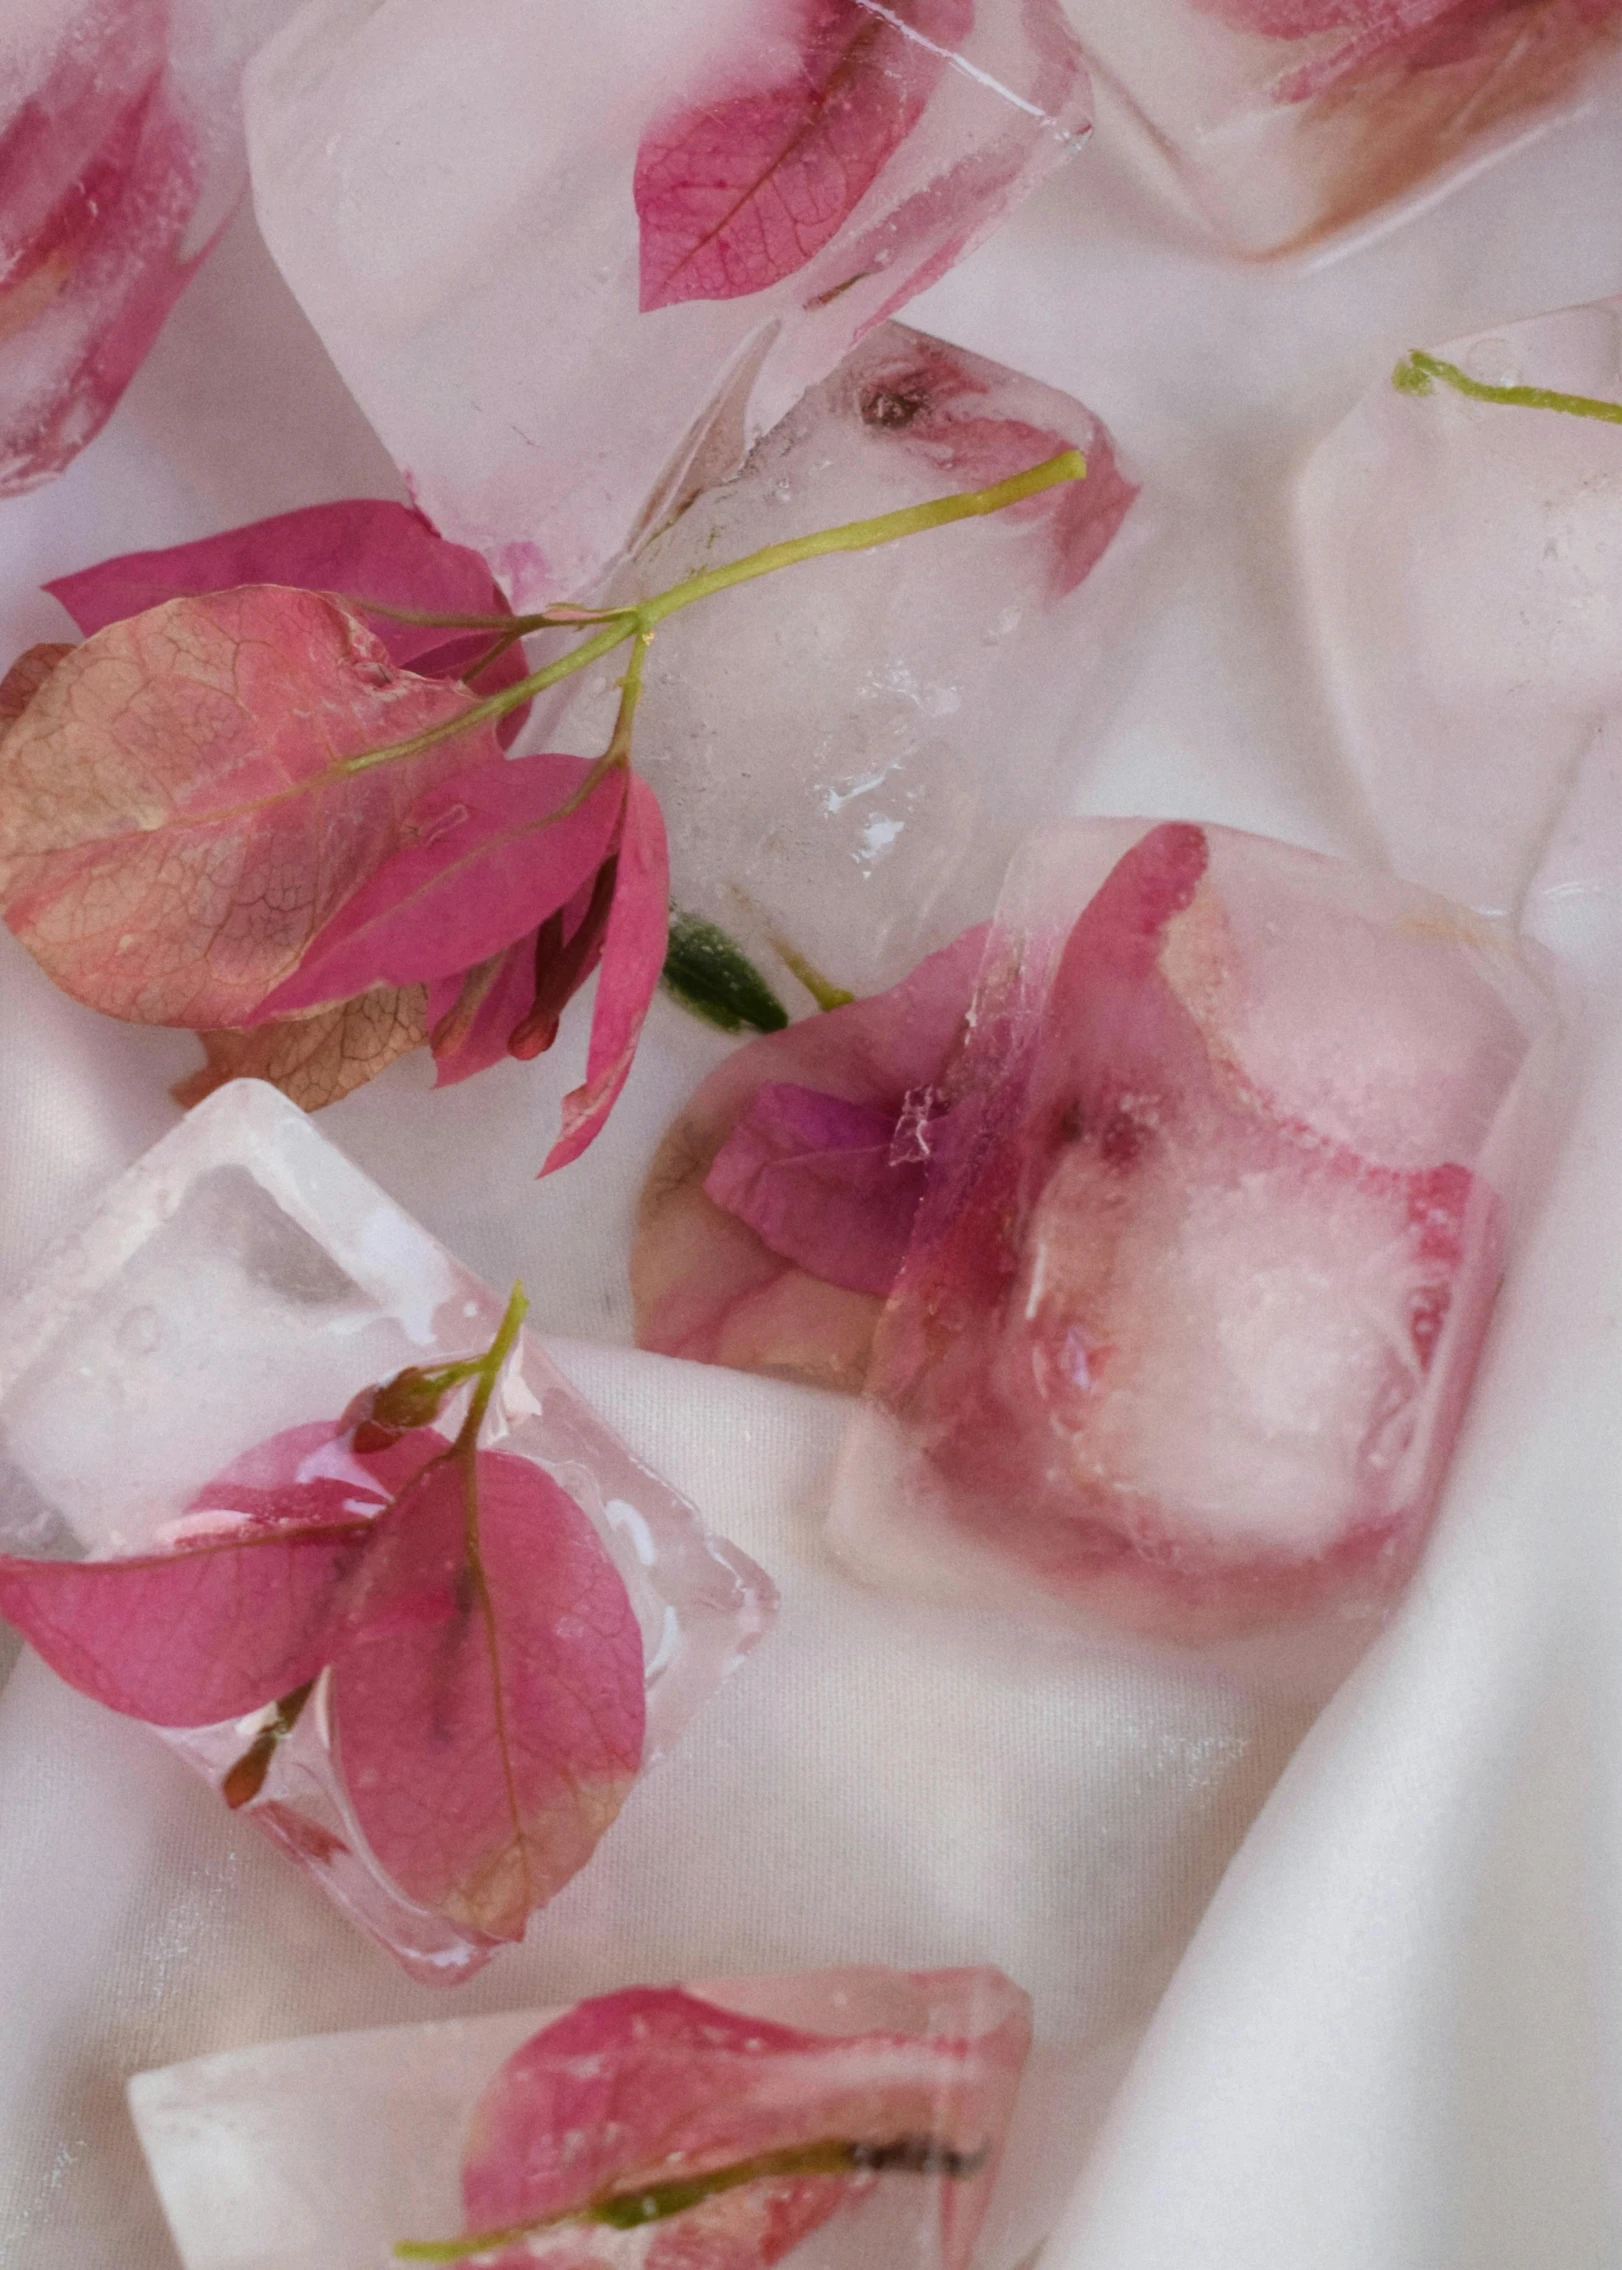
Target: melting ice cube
848, 752
1284, 119
323, 2154
1216, 1217
244, 1278
557, 252
1464, 565
120, 158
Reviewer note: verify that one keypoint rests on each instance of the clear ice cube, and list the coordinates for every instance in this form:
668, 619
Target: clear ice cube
1219, 1210
120, 159
848, 752
454, 205
322, 2154
243, 1278
1463, 562
1285, 119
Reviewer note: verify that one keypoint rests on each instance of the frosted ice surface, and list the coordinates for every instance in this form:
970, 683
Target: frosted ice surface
244, 1277
454, 205
848, 751
1190, 1310
1464, 566
320, 2154
120, 157
1284, 119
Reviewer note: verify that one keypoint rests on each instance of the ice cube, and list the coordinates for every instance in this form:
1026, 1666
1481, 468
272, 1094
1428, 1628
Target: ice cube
1463, 561
1216, 1217
323, 2154
559, 256
120, 159
244, 1278
1285, 119
847, 752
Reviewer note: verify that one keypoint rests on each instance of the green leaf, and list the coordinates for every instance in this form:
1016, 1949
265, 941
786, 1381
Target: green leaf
711, 975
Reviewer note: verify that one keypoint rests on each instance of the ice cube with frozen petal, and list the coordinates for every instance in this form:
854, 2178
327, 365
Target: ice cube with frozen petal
120, 158
847, 752
244, 1278
1282, 120
325, 2153
1218, 1208
456, 206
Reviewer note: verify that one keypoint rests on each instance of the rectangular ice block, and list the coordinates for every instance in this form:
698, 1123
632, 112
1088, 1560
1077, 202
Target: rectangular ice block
559, 253
120, 158
1463, 564
244, 1278
328, 2153
1216, 1207
1285, 119
848, 751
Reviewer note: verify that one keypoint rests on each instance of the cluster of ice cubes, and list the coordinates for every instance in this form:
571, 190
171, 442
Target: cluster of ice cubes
1282, 120
120, 159
842, 769
244, 1278
457, 219
1463, 564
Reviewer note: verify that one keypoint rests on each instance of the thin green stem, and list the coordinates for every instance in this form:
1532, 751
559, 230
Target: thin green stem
1418, 372
618, 751
645, 616
866, 535
488, 1369
654, 2202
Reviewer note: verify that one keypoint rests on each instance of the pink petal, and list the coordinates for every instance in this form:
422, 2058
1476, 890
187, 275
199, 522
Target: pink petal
706, 1284
736, 192
361, 548
812, 1176
655, 2082
508, 991
633, 956
487, 1707
176, 820
483, 861
206, 1632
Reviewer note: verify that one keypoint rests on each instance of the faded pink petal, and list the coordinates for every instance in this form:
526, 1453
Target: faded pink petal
482, 859
707, 1285
361, 548
633, 955
176, 820
813, 1177
488, 1698
651, 2083
738, 191
207, 1631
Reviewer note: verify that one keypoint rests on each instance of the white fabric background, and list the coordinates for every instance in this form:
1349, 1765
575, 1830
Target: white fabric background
1393, 2041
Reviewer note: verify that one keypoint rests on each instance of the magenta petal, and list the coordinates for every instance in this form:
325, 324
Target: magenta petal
488, 1709
735, 193
633, 956
486, 863
655, 2081
706, 1284
813, 1178
203, 1633
505, 1002
361, 548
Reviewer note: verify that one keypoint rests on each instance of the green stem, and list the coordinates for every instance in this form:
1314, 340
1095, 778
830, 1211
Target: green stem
1418, 372
653, 2202
488, 1369
645, 616
822, 990
618, 751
